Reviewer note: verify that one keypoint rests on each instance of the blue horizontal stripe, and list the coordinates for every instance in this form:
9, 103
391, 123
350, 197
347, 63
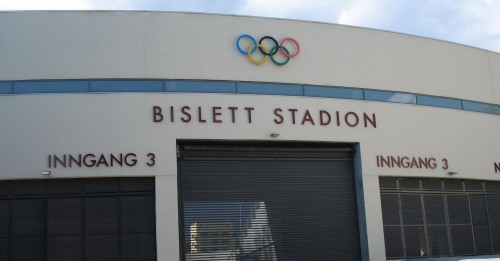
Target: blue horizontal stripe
5, 87
126, 86
270, 88
202, 86
50, 86
387, 96
439, 102
481, 107
333, 92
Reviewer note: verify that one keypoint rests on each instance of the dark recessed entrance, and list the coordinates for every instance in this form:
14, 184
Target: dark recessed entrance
268, 203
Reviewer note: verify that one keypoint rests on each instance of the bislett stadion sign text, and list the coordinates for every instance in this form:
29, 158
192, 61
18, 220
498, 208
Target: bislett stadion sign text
235, 114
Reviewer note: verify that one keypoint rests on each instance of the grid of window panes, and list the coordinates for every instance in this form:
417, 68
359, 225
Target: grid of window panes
440, 217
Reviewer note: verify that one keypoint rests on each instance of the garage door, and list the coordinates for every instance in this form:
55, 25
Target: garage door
268, 203
77, 219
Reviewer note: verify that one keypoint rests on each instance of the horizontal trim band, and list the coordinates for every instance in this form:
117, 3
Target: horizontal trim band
202, 86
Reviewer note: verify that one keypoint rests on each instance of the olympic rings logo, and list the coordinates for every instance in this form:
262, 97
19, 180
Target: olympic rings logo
268, 54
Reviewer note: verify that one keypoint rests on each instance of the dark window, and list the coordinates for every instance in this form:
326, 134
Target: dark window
77, 220
464, 219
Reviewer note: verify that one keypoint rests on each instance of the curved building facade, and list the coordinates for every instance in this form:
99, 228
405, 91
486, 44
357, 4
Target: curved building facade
156, 136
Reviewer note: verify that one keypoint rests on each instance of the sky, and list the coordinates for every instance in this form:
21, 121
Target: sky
470, 22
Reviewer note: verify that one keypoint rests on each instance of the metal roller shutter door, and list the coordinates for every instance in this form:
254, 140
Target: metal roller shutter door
268, 203
78, 219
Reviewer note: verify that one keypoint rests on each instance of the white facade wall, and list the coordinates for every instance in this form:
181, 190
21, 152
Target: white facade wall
144, 45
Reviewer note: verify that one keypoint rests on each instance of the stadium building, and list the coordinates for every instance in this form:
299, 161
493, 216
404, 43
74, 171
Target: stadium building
177, 136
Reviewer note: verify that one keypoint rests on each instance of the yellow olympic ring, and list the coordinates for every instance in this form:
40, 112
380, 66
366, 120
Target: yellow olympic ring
266, 57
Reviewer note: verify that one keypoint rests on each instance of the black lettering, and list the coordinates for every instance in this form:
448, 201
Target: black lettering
102, 160
185, 111
292, 111
356, 119
249, 110
118, 160
91, 162
372, 121
307, 117
77, 161
132, 161
215, 114
233, 113
62, 162
200, 116
322, 120
157, 114
277, 113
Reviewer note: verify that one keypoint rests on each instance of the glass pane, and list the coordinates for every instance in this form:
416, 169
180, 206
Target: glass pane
481, 107
65, 216
269, 88
65, 186
28, 187
415, 242
137, 214
411, 207
453, 185
390, 209
65, 248
101, 247
431, 184
126, 86
438, 241
4, 218
461, 236
393, 242
101, 215
458, 209
482, 239
333, 92
139, 246
473, 185
434, 209
439, 102
28, 249
413, 184
101, 185
478, 209
493, 202
495, 236
5, 87
201, 86
51, 86
387, 183
28, 217
492, 186
388, 96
